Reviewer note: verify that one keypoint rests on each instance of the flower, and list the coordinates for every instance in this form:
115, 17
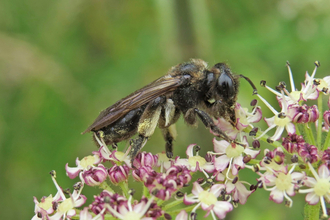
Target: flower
85, 215
207, 199
308, 89
118, 173
84, 164
238, 190
183, 215
196, 162
293, 142
231, 154
284, 183
65, 206
45, 207
280, 120
243, 120
136, 211
99, 206
115, 156
145, 159
94, 176
319, 187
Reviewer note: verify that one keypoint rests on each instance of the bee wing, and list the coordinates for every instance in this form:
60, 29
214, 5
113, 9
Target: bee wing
142, 96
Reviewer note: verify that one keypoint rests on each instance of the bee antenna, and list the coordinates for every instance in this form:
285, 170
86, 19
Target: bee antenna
255, 91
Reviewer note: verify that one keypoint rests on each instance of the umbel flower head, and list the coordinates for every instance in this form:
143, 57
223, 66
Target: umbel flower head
295, 159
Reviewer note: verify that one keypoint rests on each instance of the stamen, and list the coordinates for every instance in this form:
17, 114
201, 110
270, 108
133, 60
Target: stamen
114, 212
268, 129
293, 88
313, 171
324, 209
290, 202
268, 105
59, 189
284, 103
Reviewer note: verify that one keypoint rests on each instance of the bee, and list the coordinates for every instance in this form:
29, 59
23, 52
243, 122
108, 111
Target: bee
189, 88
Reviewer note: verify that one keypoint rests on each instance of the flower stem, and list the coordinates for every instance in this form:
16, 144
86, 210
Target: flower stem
309, 135
319, 125
105, 186
124, 187
172, 204
326, 142
175, 212
145, 191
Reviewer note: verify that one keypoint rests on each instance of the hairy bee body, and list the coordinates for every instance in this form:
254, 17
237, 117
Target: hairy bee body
190, 89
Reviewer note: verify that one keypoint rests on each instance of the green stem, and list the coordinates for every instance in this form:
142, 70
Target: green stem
297, 129
312, 212
172, 204
319, 125
105, 186
145, 191
326, 142
124, 187
309, 135
187, 209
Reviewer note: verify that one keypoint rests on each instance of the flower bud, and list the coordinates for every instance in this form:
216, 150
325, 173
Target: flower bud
118, 173
94, 176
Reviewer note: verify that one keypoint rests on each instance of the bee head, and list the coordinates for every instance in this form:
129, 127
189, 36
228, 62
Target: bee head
226, 85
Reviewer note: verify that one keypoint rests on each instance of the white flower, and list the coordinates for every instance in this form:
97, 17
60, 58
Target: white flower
280, 120
320, 187
231, 154
207, 199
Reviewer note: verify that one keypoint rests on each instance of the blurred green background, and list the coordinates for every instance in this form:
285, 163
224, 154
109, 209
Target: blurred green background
62, 62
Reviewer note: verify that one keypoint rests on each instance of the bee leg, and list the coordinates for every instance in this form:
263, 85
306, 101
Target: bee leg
137, 145
169, 134
208, 122
147, 124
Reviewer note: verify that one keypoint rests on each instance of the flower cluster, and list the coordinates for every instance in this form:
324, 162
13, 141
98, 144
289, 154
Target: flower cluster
220, 189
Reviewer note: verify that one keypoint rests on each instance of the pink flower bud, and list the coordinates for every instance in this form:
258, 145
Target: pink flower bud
118, 173
94, 176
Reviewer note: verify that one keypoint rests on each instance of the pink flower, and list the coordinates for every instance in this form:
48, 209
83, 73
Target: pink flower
283, 184
118, 173
238, 191
137, 211
231, 154
84, 164
85, 215
99, 205
94, 176
45, 207
243, 120
145, 159
207, 199
183, 215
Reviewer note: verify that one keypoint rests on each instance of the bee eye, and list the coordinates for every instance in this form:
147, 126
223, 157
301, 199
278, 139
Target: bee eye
225, 86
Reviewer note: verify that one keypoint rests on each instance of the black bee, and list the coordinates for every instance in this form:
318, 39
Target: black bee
188, 88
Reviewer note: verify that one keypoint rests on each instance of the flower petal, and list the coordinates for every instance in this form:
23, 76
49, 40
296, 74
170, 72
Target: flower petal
277, 195
312, 198
72, 172
221, 208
